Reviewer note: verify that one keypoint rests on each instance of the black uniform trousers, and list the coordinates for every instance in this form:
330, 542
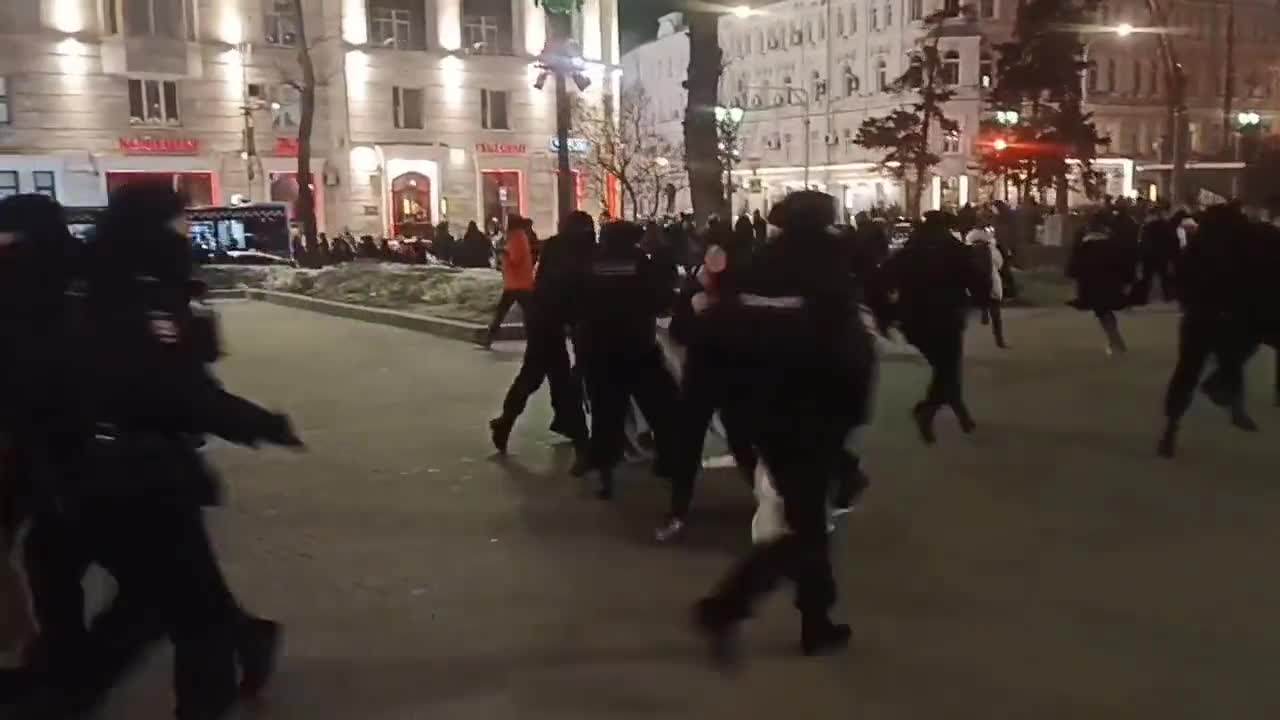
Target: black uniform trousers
170, 584
547, 358
615, 377
802, 466
943, 347
1150, 271
701, 395
1203, 333
523, 298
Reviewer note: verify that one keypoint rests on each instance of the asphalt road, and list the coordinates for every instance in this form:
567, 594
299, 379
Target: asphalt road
1048, 567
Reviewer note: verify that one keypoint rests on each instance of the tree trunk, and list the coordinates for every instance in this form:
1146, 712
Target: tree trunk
306, 188
702, 156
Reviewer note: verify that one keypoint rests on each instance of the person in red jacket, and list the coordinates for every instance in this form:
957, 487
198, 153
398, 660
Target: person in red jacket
517, 276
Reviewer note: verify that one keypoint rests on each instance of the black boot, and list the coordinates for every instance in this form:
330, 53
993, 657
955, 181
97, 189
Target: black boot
500, 432
581, 460
967, 425
1168, 446
606, 484
257, 648
923, 415
820, 636
1240, 419
720, 633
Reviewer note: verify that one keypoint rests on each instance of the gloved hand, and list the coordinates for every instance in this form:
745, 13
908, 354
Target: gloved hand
280, 432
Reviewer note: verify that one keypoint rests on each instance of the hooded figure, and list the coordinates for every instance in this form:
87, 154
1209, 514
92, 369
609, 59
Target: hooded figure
799, 373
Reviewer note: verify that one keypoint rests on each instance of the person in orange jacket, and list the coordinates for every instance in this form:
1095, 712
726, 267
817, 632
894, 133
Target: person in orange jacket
517, 276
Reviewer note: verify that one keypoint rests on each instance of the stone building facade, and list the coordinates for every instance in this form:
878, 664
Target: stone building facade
426, 109
809, 72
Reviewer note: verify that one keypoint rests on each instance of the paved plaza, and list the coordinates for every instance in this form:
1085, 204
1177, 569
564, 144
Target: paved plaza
1049, 567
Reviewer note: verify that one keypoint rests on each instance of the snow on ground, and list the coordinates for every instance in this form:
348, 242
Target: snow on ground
460, 294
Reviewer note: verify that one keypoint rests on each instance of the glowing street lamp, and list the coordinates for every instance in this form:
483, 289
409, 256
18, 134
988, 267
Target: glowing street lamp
1007, 117
1248, 120
1124, 30
1000, 145
743, 11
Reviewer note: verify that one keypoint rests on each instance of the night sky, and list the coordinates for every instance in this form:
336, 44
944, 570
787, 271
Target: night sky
640, 19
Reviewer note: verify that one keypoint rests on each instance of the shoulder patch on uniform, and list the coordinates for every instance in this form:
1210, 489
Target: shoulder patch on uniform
163, 327
783, 302
614, 269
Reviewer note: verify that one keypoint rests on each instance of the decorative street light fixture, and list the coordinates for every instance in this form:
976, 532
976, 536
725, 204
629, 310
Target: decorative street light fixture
1007, 117
562, 59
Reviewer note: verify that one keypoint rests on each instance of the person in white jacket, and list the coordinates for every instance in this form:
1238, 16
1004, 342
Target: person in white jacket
989, 261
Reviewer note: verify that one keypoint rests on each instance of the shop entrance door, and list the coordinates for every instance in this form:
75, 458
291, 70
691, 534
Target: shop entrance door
411, 205
501, 196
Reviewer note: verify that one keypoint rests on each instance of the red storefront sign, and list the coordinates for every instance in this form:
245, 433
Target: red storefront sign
159, 146
502, 148
285, 147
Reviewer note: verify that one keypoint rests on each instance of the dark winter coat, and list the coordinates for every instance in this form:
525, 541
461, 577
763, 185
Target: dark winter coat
933, 275
621, 296
1103, 270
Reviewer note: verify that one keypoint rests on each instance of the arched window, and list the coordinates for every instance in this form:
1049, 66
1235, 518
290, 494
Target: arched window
951, 67
873, 16
850, 82
1112, 85
1137, 77
882, 75
840, 23
755, 101
1093, 77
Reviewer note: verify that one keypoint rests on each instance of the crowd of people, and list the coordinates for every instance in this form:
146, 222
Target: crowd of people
475, 249
107, 372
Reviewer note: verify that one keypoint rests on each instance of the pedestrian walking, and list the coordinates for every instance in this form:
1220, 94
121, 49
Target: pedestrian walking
988, 281
517, 278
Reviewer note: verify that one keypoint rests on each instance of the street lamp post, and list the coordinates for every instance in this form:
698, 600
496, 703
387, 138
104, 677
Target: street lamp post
562, 59
1247, 123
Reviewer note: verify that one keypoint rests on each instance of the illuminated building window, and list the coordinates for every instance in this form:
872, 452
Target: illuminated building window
153, 102
282, 23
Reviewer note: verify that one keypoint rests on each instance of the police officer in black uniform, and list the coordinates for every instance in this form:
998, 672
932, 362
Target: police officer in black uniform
801, 373
561, 264
621, 297
136, 503
39, 428
1226, 297
934, 278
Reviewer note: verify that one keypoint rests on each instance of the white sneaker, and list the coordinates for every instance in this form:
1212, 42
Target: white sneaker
671, 531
